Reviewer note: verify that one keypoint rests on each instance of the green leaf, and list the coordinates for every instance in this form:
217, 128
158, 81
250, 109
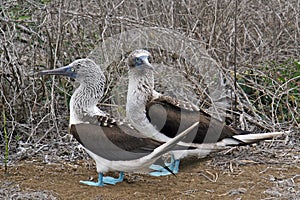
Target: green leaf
297, 63
24, 17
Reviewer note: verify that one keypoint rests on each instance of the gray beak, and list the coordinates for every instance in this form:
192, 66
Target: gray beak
147, 64
63, 71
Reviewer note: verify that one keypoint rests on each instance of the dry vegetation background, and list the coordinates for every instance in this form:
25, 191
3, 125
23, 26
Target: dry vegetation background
43, 34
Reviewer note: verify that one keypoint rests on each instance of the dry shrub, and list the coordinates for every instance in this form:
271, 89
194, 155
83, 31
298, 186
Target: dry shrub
43, 34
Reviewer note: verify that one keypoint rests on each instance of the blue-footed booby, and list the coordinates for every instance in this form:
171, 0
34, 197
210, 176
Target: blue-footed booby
162, 117
113, 145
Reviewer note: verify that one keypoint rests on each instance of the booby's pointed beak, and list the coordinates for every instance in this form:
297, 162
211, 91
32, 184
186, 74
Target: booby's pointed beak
68, 71
147, 64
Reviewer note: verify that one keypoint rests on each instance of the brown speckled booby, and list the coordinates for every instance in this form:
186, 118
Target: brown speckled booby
162, 117
109, 142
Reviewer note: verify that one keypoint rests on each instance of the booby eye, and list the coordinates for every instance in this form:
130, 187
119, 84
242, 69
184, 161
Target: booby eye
149, 59
72, 69
138, 60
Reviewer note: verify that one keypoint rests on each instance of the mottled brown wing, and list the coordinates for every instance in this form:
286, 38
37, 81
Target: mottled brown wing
171, 119
112, 143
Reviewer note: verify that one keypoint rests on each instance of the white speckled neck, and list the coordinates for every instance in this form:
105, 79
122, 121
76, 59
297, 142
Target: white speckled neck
85, 98
140, 91
141, 85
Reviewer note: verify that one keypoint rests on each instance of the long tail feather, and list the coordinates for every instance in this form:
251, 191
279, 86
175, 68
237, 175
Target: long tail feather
251, 138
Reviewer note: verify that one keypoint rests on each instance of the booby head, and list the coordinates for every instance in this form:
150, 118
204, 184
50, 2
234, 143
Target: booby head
89, 89
140, 60
80, 70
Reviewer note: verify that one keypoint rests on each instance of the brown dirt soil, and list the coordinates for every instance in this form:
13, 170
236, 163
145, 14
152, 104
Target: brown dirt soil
196, 180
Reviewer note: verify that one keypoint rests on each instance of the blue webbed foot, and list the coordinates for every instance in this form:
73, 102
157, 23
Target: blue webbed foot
157, 167
102, 180
112, 181
91, 183
161, 171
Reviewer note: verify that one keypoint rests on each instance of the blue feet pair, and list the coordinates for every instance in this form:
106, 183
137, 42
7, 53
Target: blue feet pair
161, 171
102, 180
173, 167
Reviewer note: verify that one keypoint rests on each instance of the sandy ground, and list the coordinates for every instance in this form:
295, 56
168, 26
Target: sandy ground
268, 170
34, 179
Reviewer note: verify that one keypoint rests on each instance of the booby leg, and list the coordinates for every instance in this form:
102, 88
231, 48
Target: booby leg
176, 166
102, 180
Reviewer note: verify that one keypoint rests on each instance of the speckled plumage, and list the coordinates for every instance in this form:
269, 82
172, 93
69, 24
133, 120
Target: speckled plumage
111, 143
150, 111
